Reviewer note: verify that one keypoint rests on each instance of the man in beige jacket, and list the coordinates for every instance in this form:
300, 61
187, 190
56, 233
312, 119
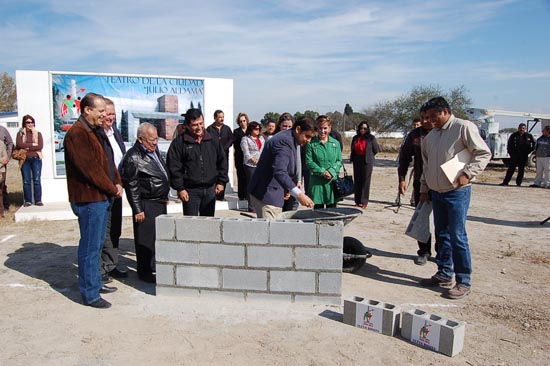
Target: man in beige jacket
450, 199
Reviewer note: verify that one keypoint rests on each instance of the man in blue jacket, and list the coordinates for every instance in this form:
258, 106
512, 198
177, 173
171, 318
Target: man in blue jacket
278, 169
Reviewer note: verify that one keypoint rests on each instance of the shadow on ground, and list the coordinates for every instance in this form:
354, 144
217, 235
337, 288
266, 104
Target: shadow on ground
57, 266
498, 222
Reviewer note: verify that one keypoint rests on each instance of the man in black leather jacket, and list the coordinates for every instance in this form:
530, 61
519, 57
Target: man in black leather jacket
145, 178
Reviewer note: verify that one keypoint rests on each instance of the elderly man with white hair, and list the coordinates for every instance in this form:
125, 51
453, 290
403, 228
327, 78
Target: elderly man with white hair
145, 180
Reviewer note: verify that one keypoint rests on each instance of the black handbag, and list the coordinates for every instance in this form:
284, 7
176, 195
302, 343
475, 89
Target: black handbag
343, 186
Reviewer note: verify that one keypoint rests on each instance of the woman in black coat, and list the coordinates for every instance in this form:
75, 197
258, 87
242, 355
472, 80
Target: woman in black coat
363, 149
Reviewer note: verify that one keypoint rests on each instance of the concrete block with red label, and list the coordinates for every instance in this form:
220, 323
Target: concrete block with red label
432, 331
373, 315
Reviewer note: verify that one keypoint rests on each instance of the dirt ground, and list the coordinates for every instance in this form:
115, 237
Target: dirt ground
507, 316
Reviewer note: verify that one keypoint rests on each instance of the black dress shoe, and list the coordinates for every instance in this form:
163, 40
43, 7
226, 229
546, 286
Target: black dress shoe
149, 278
100, 304
118, 273
107, 289
105, 278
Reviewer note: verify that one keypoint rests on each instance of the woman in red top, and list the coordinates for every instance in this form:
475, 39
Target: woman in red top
363, 149
252, 145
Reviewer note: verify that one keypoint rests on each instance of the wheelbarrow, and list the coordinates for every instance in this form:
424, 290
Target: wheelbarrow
354, 253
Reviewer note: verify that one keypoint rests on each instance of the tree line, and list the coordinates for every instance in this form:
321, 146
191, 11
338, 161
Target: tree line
390, 115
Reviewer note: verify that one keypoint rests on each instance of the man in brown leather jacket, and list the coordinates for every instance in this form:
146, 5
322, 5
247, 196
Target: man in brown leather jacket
92, 181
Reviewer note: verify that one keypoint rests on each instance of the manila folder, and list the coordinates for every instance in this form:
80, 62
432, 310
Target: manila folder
454, 167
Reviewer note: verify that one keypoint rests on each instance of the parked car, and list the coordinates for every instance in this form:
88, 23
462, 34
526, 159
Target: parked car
58, 141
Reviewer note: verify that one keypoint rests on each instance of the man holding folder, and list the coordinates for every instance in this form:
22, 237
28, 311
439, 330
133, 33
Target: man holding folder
451, 197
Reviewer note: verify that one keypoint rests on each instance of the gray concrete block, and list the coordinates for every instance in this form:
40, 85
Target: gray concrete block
291, 281
269, 257
244, 279
316, 299
451, 340
176, 252
350, 305
166, 274
444, 335
165, 227
220, 295
292, 232
330, 283
176, 291
263, 296
382, 317
318, 258
201, 277
249, 231
198, 229
223, 255
331, 233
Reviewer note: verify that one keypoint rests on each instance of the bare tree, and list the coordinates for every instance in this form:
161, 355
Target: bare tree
8, 97
397, 114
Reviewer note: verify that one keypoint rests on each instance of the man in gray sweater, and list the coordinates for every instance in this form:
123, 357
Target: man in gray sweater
542, 156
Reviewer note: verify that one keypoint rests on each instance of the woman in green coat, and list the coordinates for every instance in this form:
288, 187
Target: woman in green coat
324, 160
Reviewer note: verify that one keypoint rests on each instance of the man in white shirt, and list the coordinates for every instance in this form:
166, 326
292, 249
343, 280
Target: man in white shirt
109, 252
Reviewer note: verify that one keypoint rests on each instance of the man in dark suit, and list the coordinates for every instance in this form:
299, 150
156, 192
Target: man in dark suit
223, 133
109, 252
278, 169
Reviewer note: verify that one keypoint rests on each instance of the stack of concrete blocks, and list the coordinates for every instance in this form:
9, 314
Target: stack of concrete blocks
390, 314
289, 260
447, 336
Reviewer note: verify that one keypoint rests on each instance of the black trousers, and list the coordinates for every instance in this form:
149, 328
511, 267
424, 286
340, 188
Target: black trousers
145, 234
242, 180
516, 161
221, 195
5, 197
249, 171
202, 202
423, 248
109, 252
362, 174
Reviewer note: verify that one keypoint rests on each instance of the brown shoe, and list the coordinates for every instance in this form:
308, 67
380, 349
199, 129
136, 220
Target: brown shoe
458, 292
435, 281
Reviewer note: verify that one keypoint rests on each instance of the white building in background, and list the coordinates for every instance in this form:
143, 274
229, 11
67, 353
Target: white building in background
11, 121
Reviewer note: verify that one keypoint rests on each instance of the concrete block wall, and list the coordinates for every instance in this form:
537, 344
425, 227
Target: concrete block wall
433, 331
286, 260
373, 315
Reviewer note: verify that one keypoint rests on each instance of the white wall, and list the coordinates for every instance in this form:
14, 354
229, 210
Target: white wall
34, 97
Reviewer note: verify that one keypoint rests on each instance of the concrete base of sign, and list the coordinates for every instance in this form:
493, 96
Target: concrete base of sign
56, 211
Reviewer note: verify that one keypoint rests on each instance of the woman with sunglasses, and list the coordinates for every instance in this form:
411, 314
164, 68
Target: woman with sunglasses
363, 149
30, 139
252, 145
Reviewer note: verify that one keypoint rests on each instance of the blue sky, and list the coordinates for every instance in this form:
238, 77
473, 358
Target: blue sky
292, 55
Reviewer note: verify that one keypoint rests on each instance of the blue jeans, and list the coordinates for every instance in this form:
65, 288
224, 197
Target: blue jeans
453, 257
202, 202
92, 220
31, 172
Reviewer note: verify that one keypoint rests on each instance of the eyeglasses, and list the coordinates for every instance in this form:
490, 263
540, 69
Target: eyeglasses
363, 128
29, 122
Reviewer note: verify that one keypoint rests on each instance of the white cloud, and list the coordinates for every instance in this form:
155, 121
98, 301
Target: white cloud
283, 55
